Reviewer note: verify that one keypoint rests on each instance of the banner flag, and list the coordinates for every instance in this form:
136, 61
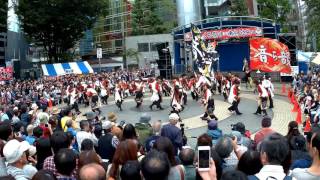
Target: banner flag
203, 52
269, 55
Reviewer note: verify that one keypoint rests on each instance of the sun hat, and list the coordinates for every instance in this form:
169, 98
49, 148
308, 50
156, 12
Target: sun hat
91, 115
112, 117
14, 150
55, 111
145, 118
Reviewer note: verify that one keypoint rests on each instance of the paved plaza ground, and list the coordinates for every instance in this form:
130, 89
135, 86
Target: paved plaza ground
194, 126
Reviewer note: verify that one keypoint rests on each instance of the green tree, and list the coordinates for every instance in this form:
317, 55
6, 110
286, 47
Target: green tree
3, 15
313, 20
239, 8
277, 10
56, 25
132, 53
153, 16
138, 17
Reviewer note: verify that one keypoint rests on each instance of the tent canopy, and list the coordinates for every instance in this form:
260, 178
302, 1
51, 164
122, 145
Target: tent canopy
58, 69
305, 56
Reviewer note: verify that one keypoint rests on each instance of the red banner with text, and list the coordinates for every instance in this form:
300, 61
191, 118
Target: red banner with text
269, 55
6, 73
222, 34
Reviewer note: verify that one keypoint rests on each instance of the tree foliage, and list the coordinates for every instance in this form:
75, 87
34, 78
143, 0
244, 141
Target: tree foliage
277, 10
3, 15
239, 8
153, 16
313, 20
57, 25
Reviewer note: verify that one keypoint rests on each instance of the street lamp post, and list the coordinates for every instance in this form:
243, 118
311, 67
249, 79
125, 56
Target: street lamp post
99, 56
165, 51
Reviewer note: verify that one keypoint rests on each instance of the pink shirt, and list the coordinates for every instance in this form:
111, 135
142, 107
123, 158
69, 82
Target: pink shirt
260, 135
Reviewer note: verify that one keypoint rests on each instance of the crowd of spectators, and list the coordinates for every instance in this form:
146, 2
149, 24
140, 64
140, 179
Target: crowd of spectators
37, 143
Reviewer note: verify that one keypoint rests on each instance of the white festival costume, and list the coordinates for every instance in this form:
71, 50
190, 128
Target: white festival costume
155, 91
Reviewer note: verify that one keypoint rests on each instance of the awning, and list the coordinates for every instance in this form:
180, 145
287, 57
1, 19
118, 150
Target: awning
316, 60
59, 69
304, 56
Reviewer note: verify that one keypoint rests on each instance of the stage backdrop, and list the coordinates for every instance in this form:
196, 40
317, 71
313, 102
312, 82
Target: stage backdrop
232, 55
269, 55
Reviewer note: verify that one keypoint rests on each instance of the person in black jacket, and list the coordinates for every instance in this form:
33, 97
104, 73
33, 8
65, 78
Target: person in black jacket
107, 143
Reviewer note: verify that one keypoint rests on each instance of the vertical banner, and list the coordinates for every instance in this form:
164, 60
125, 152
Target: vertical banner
204, 53
269, 55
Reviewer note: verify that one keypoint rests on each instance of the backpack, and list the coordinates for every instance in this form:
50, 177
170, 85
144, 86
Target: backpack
253, 177
144, 131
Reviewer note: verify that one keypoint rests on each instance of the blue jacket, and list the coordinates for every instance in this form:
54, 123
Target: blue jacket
174, 134
215, 135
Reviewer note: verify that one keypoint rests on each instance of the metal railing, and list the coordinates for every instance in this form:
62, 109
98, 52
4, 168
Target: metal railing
220, 19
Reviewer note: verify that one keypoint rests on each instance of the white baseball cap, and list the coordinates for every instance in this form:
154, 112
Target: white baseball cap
14, 149
106, 125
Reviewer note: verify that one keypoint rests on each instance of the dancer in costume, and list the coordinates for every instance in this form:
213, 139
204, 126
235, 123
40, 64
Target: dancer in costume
176, 101
262, 99
139, 85
208, 103
266, 83
234, 97
156, 98
118, 96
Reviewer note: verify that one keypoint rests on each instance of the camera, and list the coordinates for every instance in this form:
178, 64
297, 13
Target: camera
233, 127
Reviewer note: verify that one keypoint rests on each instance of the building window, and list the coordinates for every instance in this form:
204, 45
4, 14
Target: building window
153, 46
143, 47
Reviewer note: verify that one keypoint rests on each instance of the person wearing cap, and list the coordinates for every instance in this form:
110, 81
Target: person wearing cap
234, 97
213, 131
92, 118
172, 132
240, 149
245, 134
264, 131
107, 143
15, 154
112, 117
144, 128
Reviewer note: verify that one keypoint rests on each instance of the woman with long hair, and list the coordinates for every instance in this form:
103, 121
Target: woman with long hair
126, 151
129, 132
164, 144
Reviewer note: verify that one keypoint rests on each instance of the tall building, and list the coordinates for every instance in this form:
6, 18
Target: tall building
214, 8
3, 30
110, 32
86, 43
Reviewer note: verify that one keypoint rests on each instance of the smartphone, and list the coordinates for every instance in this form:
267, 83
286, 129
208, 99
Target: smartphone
204, 158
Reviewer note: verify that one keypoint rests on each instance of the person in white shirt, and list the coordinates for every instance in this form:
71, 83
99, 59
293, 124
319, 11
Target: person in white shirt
86, 133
